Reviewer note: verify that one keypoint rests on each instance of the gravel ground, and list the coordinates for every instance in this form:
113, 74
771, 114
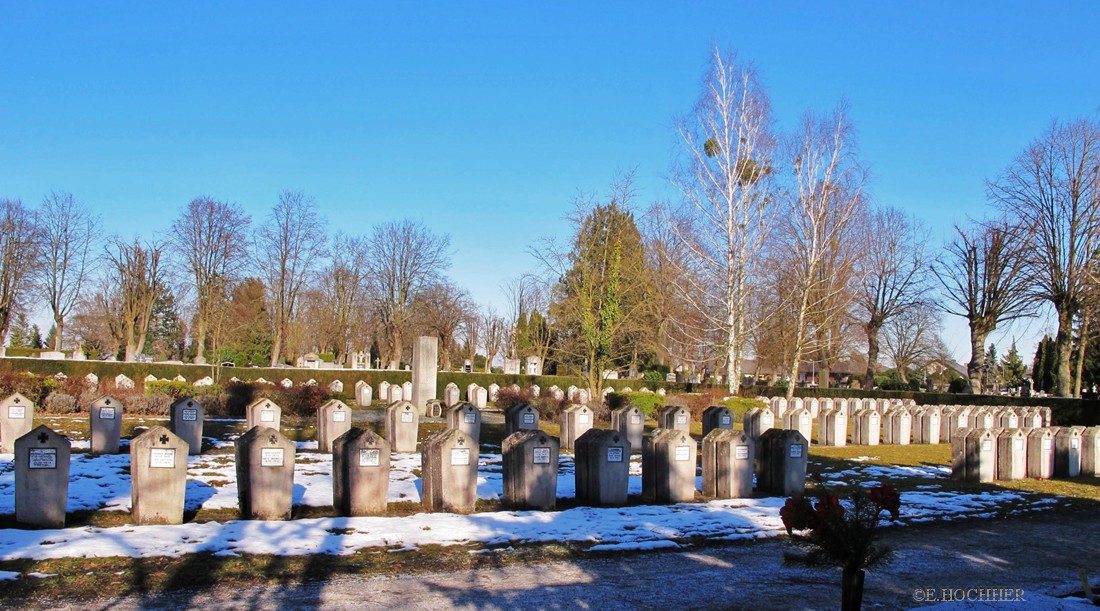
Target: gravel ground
1039, 555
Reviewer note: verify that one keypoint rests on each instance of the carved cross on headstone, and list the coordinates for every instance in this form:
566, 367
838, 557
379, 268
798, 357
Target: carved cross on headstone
190, 403
107, 402
272, 439
461, 441
43, 437
164, 439
15, 400
370, 439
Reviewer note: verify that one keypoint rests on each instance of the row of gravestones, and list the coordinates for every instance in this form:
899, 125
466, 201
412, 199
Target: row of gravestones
988, 454
893, 424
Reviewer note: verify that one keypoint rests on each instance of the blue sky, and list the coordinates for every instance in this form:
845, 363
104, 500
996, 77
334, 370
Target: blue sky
484, 119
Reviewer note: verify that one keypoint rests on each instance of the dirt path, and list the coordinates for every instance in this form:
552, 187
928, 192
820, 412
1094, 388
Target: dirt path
1039, 555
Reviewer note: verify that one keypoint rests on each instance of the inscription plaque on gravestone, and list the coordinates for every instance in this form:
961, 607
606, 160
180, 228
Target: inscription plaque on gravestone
190, 415
741, 452
370, 457
460, 456
42, 458
271, 457
17, 412
615, 454
162, 458
339, 416
542, 456
683, 453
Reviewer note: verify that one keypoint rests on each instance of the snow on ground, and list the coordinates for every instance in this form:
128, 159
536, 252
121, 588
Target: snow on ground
103, 483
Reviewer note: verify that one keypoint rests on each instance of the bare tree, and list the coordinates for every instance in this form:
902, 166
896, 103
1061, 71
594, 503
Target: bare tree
440, 309
210, 241
18, 258
67, 230
136, 271
403, 257
494, 332
1053, 188
340, 305
728, 202
912, 339
289, 246
984, 278
816, 252
893, 275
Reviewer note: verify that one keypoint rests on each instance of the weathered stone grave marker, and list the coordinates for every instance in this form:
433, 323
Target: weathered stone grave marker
727, 464
16, 420
668, 467
360, 473
575, 421
263, 412
105, 415
158, 476
333, 420
521, 417
602, 468
186, 418
466, 418
402, 426
265, 474
449, 472
42, 478
530, 466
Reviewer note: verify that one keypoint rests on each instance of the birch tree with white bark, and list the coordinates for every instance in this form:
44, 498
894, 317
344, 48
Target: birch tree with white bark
726, 178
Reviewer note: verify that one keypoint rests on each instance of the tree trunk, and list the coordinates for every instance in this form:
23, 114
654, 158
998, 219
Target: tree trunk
824, 376
977, 359
851, 589
59, 330
1063, 348
276, 345
872, 355
200, 340
1082, 345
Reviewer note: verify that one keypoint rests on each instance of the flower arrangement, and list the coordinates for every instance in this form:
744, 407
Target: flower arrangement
832, 533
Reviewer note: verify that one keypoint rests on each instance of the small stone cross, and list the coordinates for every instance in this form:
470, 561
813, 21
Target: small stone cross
164, 439
272, 439
43, 437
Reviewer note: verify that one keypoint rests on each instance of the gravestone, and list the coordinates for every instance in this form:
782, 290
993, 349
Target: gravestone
384, 392
814, 407
124, 382
333, 420
16, 420
363, 394
869, 428
407, 393
717, 417
1008, 419
158, 476
668, 467
727, 464
779, 406
521, 417
263, 412
1067, 451
1012, 454
630, 422
494, 388
602, 468
451, 395
957, 421
584, 396
781, 456
533, 366
981, 419
1031, 419
822, 429
575, 421
901, 426
360, 473
105, 416
402, 426
41, 478
929, 428
186, 417
1090, 452
799, 419
466, 418
91, 380
980, 455
425, 372
674, 417
530, 468
449, 472
481, 398
535, 390
265, 474
836, 428
1047, 415
471, 390
336, 386
757, 421
1040, 453
958, 454
572, 393
511, 366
